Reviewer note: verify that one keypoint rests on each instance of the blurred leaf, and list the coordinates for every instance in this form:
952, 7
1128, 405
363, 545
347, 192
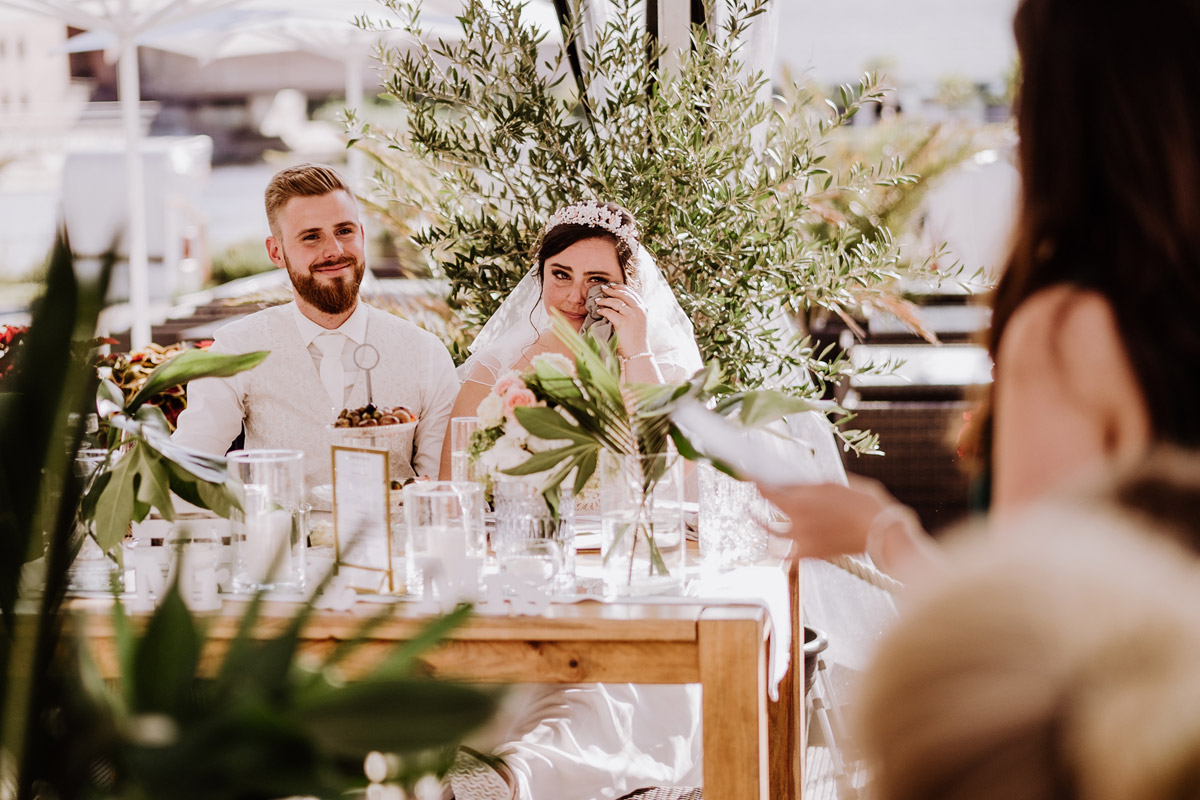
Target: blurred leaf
114, 506
189, 366
760, 408
400, 663
360, 716
165, 659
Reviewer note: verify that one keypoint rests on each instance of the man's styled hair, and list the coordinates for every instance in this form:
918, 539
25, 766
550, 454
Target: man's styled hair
302, 180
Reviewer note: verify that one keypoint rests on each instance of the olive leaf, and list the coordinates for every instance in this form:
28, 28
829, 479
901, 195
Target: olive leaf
760, 214
762, 407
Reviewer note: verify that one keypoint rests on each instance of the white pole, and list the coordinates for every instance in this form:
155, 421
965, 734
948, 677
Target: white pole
674, 33
129, 92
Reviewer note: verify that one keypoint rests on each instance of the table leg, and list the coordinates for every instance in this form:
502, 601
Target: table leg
786, 715
733, 676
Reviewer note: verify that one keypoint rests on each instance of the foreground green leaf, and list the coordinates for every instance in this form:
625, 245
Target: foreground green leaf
189, 366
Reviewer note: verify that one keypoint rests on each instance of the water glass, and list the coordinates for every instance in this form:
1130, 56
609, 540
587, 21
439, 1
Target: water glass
91, 570
270, 533
532, 562
196, 559
522, 517
461, 429
445, 529
731, 514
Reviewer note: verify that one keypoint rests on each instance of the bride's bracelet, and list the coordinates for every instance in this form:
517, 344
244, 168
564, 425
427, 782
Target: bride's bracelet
646, 354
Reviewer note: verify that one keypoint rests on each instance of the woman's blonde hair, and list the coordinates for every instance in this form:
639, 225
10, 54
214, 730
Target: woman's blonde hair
1059, 661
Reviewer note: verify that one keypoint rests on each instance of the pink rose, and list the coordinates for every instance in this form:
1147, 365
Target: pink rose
516, 399
508, 381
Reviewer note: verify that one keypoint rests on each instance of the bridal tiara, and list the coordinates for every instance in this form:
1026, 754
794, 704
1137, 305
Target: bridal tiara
595, 215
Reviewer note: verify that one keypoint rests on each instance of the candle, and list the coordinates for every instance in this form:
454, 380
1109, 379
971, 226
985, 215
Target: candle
267, 542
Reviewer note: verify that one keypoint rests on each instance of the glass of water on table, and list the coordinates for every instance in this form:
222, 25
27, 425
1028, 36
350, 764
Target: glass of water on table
461, 429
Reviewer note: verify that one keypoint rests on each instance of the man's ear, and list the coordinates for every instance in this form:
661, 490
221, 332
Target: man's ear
275, 252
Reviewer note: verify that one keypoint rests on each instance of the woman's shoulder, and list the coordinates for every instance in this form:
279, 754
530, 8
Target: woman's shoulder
1063, 352
484, 367
1058, 321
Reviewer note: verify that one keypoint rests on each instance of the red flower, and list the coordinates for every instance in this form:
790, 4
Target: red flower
10, 334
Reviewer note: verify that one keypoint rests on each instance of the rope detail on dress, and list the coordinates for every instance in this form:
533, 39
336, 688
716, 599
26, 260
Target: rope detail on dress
866, 572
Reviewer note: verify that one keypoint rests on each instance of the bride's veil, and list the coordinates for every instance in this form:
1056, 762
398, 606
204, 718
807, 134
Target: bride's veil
522, 317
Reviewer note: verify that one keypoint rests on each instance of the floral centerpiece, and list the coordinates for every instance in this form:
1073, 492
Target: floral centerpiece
501, 442
581, 416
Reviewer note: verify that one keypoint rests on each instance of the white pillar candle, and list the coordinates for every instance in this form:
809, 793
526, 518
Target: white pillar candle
268, 541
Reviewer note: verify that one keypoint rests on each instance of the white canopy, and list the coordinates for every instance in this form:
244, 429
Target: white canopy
208, 30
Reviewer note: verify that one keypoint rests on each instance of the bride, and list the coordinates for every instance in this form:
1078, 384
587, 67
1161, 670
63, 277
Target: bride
583, 245
596, 740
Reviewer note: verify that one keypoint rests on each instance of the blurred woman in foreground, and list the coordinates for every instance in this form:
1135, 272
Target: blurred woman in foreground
1056, 660
1096, 352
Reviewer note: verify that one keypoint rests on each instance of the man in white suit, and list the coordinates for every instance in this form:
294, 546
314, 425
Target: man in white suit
289, 400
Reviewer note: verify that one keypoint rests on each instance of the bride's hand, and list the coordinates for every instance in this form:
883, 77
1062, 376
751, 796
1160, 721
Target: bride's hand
621, 306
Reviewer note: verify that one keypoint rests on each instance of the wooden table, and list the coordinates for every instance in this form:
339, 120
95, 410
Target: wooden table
751, 745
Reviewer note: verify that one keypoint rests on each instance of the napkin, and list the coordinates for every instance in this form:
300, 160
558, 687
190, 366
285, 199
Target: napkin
601, 328
757, 585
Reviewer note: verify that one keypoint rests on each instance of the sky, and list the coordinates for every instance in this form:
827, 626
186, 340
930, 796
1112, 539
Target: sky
921, 41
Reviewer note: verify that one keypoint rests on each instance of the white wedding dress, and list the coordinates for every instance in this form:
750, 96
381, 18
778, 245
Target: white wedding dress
594, 741
602, 741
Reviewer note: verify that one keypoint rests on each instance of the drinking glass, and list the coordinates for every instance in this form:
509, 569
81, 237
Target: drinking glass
522, 516
195, 560
731, 533
534, 562
445, 527
461, 429
91, 570
271, 530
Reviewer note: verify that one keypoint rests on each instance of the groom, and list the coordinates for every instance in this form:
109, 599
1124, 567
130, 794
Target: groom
288, 400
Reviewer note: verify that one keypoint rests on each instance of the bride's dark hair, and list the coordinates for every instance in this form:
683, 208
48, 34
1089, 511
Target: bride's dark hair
560, 237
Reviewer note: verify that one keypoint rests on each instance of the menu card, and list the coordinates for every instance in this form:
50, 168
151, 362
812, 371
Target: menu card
361, 515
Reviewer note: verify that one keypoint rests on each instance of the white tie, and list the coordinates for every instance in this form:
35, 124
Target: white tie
332, 374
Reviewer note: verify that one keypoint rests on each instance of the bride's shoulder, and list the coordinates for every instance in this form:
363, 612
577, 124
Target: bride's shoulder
483, 367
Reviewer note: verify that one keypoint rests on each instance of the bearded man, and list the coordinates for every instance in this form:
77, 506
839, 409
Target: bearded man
289, 400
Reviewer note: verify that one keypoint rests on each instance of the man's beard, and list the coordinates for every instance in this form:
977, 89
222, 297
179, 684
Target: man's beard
331, 297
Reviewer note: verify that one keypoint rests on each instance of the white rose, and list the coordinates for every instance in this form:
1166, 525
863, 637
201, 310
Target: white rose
490, 411
537, 445
507, 453
555, 361
516, 431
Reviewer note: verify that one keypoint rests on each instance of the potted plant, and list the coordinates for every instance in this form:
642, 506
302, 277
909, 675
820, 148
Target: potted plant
730, 186
590, 421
